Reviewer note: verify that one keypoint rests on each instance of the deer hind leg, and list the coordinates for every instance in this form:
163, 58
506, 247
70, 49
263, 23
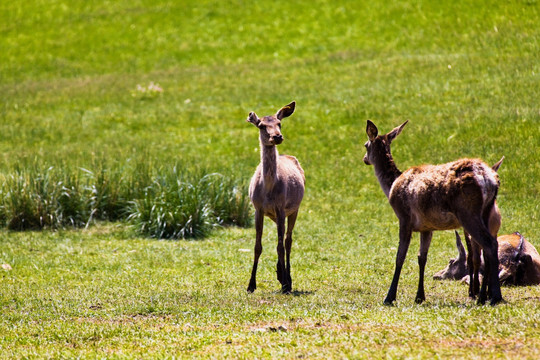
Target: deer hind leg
259, 222
280, 268
291, 220
486, 288
405, 233
475, 226
473, 265
425, 241
492, 218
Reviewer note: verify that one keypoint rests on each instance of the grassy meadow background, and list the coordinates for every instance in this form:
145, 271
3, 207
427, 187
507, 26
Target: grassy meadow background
466, 75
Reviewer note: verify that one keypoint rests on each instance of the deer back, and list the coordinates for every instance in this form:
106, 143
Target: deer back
430, 194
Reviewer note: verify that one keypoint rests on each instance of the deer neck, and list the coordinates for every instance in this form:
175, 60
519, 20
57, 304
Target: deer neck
269, 156
386, 172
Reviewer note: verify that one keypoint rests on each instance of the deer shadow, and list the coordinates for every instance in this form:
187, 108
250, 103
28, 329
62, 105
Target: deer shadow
299, 293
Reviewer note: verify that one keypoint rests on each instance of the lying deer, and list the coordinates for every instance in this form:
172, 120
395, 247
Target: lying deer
276, 190
437, 197
519, 262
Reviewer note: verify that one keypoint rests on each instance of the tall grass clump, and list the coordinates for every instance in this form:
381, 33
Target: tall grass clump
33, 199
183, 205
109, 193
159, 203
230, 203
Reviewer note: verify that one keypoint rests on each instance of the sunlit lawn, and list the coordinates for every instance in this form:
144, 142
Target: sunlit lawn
466, 75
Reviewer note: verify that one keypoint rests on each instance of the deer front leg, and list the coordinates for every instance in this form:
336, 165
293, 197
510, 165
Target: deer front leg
473, 264
425, 241
281, 270
291, 220
477, 263
404, 241
259, 222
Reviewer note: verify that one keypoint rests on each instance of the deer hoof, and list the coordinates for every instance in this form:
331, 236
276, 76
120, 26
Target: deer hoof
494, 302
481, 301
286, 289
388, 302
251, 288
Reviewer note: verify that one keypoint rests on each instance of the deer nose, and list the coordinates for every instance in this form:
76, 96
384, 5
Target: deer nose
278, 139
366, 161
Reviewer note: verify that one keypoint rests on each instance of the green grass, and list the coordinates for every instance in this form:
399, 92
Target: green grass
465, 74
161, 203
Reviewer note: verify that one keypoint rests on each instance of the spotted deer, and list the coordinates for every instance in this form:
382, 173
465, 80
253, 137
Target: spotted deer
276, 190
437, 197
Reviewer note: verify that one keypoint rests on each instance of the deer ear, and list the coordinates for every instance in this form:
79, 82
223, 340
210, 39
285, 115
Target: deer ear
461, 250
286, 111
371, 130
497, 164
253, 118
394, 133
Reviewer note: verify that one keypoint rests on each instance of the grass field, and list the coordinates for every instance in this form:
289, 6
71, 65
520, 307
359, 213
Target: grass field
465, 74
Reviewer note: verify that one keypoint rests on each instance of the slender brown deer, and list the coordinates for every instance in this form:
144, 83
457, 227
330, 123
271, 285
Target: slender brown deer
437, 197
276, 190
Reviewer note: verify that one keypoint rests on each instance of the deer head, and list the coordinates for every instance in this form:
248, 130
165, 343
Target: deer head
270, 126
512, 262
379, 145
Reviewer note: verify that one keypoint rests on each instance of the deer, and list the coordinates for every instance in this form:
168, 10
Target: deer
519, 262
276, 191
426, 198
